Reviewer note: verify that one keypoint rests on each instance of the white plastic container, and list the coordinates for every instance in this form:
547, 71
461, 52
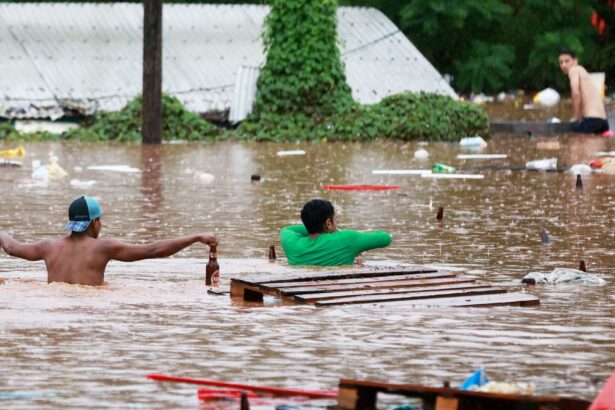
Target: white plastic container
546, 164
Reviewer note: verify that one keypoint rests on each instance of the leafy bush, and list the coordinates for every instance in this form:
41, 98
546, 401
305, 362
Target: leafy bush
403, 116
125, 125
302, 91
303, 72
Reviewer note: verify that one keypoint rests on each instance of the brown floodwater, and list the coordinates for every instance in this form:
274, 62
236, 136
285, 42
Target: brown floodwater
76, 347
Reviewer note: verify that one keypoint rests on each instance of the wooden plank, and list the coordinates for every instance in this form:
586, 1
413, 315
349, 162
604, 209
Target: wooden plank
348, 274
511, 299
466, 397
364, 281
463, 284
447, 403
450, 293
375, 285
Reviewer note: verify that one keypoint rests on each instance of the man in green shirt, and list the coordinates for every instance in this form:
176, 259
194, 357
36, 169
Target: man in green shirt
318, 242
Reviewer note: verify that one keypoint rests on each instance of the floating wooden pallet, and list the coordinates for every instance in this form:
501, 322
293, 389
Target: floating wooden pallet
362, 395
408, 286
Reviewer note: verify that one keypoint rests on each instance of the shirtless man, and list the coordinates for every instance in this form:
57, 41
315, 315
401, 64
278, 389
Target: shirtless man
81, 258
586, 97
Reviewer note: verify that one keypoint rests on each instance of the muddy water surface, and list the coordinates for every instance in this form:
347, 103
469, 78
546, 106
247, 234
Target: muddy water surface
75, 347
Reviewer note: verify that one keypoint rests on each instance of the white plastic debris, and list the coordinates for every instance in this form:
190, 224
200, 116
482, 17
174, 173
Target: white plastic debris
546, 98
401, 171
542, 164
290, 152
554, 120
204, 177
473, 142
507, 388
482, 156
76, 183
580, 169
421, 154
452, 176
565, 275
113, 168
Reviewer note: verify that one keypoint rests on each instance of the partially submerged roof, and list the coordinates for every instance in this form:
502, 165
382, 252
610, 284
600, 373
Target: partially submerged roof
89, 56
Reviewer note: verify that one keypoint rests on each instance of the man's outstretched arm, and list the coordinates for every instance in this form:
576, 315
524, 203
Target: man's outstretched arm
31, 252
159, 249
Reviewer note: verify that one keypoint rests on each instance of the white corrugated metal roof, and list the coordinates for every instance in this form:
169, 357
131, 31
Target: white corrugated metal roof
54, 51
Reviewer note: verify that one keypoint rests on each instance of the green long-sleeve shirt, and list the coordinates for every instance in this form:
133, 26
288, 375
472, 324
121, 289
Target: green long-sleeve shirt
328, 249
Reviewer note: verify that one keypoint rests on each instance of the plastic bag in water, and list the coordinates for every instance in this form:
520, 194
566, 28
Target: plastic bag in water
565, 275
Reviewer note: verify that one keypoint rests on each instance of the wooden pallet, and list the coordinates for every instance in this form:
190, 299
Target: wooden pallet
362, 395
407, 286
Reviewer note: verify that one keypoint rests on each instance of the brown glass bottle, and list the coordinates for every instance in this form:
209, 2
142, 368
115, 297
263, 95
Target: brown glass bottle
212, 270
272, 256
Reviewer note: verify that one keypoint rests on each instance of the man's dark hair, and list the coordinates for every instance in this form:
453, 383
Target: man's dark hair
568, 51
315, 213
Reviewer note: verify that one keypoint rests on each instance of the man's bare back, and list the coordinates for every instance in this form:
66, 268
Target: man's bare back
590, 98
81, 258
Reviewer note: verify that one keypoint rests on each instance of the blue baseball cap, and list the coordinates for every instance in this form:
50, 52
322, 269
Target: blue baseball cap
81, 213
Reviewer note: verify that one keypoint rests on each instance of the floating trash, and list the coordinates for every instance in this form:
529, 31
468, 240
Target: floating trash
473, 142
14, 153
114, 168
437, 167
401, 171
546, 98
542, 164
291, 152
453, 176
563, 275
421, 154
580, 169
482, 156
204, 177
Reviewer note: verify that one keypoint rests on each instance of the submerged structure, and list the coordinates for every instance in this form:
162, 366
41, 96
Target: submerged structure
64, 58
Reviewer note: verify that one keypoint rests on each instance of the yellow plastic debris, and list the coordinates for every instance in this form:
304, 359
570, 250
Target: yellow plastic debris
56, 171
15, 153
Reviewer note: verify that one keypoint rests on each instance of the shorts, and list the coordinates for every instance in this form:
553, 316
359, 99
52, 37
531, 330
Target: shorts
591, 125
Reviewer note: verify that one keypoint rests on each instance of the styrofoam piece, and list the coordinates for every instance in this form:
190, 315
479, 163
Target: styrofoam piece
421, 154
482, 156
114, 168
401, 171
453, 176
291, 152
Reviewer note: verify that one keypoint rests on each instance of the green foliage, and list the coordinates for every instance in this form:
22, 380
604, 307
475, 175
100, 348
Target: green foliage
489, 45
9, 133
403, 116
486, 67
302, 91
125, 125
304, 72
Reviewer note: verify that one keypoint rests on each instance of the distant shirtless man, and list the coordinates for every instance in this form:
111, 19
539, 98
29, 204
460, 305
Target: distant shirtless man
586, 98
81, 258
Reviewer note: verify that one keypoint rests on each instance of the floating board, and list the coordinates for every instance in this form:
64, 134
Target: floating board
360, 187
401, 171
406, 286
453, 176
482, 156
291, 152
277, 391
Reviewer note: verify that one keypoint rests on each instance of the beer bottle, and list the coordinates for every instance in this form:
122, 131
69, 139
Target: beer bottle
272, 256
212, 270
